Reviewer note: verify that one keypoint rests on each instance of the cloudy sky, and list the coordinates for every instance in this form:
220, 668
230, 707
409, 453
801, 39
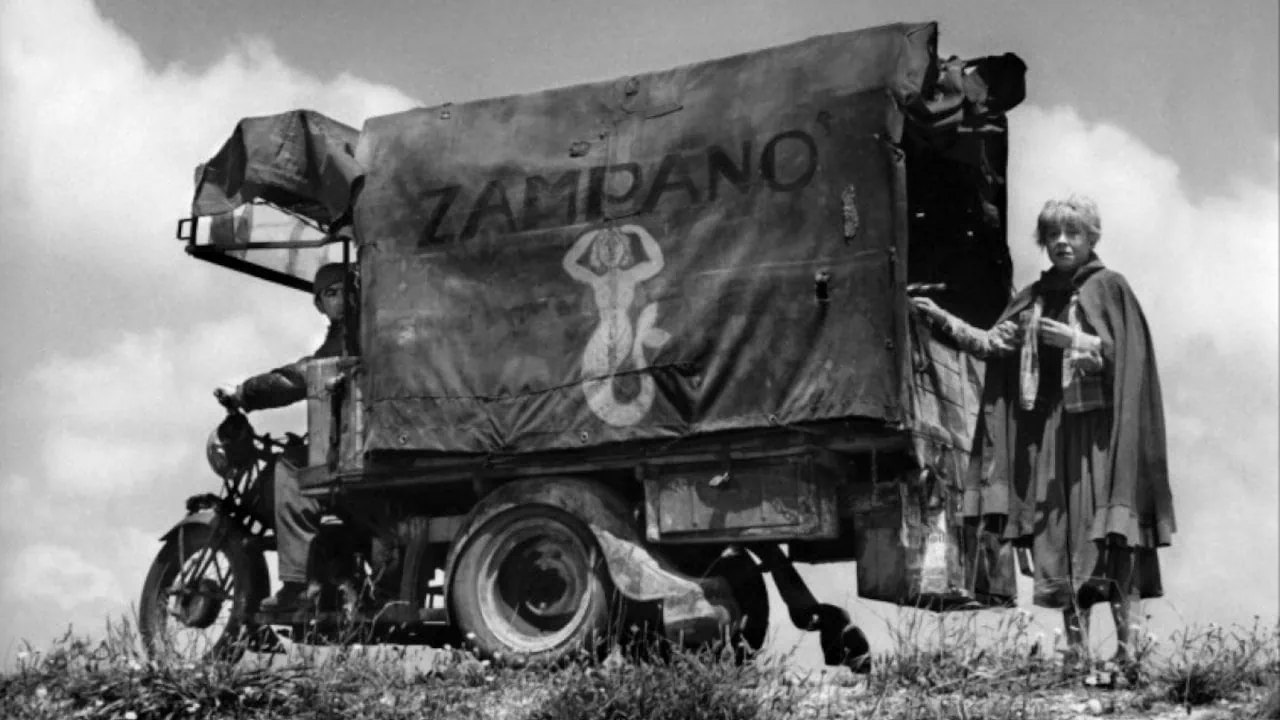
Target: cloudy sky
1166, 112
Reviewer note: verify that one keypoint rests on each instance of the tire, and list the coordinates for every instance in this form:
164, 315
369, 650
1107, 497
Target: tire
205, 618
749, 592
532, 586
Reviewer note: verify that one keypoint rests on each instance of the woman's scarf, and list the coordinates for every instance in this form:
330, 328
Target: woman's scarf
1029, 365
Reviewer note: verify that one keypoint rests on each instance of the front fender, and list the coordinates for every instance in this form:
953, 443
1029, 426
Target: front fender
207, 517
638, 572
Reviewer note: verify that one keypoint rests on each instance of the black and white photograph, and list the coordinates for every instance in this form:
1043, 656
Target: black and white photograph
543, 359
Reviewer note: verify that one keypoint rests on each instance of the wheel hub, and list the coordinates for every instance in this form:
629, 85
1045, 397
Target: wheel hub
554, 587
539, 588
199, 605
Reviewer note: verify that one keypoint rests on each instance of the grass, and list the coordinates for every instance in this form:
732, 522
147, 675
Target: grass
1210, 663
941, 673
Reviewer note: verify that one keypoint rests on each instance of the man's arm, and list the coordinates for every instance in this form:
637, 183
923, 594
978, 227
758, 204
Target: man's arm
288, 384
283, 386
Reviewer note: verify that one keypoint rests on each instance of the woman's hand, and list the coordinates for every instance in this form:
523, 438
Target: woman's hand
1056, 334
1005, 336
926, 306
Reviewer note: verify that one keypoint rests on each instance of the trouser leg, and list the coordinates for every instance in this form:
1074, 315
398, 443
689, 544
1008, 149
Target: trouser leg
297, 520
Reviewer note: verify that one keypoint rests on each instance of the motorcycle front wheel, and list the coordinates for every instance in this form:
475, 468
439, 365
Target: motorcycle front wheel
196, 599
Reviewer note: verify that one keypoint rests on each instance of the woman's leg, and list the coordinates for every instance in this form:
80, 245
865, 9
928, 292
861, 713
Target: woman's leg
1120, 613
1119, 561
1075, 621
1120, 606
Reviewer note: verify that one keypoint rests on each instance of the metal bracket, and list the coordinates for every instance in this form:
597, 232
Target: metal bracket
187, 228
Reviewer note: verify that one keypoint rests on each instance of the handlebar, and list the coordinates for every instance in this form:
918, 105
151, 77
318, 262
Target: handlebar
232, 405
226, 400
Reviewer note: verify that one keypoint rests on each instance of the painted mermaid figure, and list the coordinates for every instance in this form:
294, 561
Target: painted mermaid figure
614, 276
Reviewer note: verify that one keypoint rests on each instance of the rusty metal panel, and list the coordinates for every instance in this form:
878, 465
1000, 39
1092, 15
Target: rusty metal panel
320, 425
351, 438
334, 439
791, 497
912, 550
903, 546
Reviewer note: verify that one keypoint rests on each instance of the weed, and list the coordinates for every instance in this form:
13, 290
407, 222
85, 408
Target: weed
940, 672
1215, 662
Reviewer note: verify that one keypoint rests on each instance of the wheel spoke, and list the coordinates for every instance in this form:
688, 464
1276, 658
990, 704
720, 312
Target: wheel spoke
226, 583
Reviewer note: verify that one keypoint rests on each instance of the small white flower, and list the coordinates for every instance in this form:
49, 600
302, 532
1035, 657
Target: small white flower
23, 655
131, 715
134, 666
471, 636
42, 692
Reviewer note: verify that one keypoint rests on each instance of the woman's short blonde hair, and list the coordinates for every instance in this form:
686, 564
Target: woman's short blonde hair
1077, 212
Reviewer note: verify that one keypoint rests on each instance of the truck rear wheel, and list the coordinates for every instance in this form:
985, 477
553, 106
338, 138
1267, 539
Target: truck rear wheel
532, 584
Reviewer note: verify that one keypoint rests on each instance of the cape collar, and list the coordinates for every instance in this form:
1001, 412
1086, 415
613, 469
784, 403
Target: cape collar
1053, 279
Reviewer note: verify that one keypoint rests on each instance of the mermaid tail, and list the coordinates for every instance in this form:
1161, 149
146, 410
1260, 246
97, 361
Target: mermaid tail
600, 396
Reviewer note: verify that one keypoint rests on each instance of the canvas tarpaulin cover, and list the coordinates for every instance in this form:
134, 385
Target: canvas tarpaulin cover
301, 161
711, 248
283, 180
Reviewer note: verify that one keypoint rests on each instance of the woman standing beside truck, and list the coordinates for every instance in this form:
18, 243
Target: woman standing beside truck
1069, 457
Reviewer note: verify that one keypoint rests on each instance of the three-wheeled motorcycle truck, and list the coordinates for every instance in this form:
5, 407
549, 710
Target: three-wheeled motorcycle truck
622, 350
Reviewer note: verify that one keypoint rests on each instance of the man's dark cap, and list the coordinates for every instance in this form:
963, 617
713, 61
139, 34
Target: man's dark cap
327, 275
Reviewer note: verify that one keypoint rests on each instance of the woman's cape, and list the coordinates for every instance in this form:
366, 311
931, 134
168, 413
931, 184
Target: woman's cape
1139, 506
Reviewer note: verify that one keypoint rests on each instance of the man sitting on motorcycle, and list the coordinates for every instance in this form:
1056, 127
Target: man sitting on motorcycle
297, 517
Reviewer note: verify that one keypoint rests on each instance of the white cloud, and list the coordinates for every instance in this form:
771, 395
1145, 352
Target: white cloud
60, 575
28, 511
18, 514
137, 413
86, 466
99, 150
